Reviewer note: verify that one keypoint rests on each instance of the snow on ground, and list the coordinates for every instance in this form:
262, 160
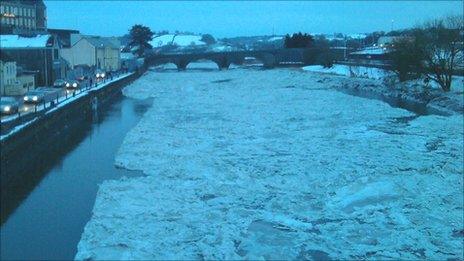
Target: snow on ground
187, 40
179, 40
274, 164
162, 40
275, 38
371, 50
353, 71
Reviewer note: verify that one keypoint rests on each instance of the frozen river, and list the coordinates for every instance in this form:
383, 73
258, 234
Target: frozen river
276, 164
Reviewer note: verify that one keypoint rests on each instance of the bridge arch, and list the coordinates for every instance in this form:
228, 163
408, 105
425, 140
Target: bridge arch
170, 62
220, 63
269, 58
165, 66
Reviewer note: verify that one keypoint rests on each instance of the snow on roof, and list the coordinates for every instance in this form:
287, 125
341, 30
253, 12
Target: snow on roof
127, 56
357, 36
275, 38
179, 40
16, 41
375, 50
98, 41
222, 48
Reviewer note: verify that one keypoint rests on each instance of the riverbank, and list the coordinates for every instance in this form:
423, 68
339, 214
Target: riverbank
278, 164
380, 84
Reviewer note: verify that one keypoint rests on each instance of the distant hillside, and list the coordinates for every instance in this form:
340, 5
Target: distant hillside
177, 40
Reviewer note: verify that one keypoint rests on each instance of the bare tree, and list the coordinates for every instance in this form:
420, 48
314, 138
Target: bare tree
442, 49
434, 50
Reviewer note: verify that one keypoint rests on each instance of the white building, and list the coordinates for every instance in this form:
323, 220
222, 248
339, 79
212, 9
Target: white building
98, 52
8, 76
11, 83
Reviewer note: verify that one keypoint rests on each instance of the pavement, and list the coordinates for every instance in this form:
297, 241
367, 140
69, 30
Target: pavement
51, 94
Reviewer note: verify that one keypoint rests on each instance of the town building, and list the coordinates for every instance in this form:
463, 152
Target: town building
26, 82
98, 52
63, 36
389, 41
14, 81
23, 17
8, 73
40, 53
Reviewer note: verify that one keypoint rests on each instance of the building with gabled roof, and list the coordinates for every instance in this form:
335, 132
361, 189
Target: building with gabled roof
94, 51
39, 53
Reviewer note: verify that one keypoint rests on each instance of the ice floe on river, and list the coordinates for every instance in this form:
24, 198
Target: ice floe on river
274, 164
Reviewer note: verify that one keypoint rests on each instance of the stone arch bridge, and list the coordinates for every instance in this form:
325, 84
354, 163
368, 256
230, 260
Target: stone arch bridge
269, 58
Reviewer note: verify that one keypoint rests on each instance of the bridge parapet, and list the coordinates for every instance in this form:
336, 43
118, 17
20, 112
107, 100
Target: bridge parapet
270, 58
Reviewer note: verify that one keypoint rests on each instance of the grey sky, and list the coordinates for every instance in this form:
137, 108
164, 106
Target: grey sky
230, 18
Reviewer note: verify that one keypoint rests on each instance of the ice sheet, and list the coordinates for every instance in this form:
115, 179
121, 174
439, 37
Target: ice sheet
275, 164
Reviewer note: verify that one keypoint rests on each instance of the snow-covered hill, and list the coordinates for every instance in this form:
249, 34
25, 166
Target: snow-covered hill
177, 40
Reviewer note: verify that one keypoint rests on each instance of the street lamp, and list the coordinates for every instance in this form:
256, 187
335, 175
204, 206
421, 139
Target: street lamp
344, 50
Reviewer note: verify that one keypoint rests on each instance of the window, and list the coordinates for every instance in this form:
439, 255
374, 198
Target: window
1, 9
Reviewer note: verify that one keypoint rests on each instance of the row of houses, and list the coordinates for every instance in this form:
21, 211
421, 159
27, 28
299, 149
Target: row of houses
45, 55
29, 48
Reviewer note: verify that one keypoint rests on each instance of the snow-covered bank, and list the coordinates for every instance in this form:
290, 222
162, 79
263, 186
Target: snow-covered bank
351, 71
378, 82
276, 164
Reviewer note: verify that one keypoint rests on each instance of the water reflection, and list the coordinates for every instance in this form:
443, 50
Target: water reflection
45, 211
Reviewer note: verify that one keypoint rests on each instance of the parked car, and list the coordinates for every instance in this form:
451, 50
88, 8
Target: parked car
8, 105
99, 74
34, 97
60, 83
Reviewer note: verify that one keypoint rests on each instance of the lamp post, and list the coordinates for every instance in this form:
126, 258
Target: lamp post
344, 50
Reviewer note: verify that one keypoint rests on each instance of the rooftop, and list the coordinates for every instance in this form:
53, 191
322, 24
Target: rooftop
16, 41
26, 2
98, 41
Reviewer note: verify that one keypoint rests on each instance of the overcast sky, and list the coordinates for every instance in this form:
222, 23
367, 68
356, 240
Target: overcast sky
224, 19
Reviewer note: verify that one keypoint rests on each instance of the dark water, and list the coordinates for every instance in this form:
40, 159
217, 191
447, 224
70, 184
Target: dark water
46, 215
415, 107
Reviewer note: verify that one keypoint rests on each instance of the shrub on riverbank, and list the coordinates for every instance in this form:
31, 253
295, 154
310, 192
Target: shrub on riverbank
434, 50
